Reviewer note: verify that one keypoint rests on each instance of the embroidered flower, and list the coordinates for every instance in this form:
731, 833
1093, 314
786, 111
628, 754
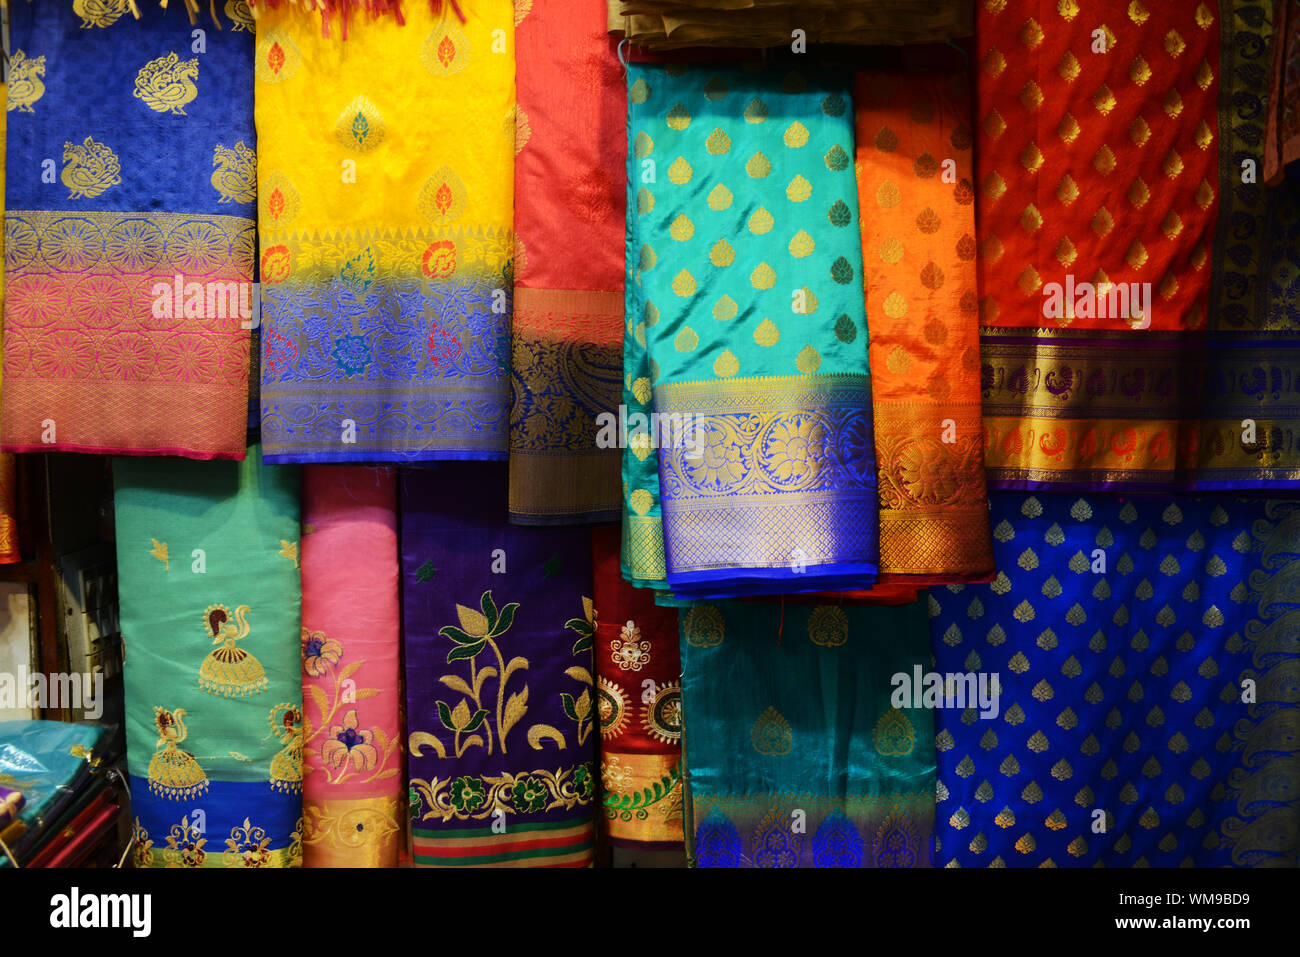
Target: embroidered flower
718, 464
439, 260
582, 781
413, 797
530, 795
276, 264
443, 348
796, 448
467, 794
348, 743
317, 651
629, 652
352, 353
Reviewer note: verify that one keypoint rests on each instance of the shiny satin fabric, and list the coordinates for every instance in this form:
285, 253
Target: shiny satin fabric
353, 813
569, 196
130, 240
208, 573
1145, 653
10, 548
805, 761
385, 228
914, 170
746, 288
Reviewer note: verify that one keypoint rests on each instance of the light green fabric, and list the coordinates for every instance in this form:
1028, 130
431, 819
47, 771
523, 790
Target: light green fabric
796, 757
745, 311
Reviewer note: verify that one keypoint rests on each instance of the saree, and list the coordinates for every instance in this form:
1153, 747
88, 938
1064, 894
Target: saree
754, 353
212, 667
568, 305
11, 802
805, 762
639, 701
386, 194
10, 546
1146, 657
1282, 129
129, 257
351, 650
48, 763
501, 719
920, 279
670, 24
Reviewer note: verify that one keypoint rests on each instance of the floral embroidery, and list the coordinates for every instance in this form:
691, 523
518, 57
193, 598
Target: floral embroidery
523, 793
530, 794
439, 260
662, 716
185, 845
316, 648
159, 551
352, 353
360, 126
630, 652
467, 794
613, 775
349, 744
143, 852
247, 847
611, 707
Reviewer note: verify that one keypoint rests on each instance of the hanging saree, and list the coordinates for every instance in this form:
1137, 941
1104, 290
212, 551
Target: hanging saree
1124, 636
498, 626
10, 547
639, 700
918, 241
670, 24
756, 360
1250, 405
128, 292
803, 762
351, 650
385, 235
568, 308
1282, 129
212, 667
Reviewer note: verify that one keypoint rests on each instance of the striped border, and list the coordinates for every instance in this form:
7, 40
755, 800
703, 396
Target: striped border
539, 844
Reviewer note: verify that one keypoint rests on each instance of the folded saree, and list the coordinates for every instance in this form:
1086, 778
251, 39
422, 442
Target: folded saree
351, 649
212, 667
129, 256
1146, 657
500, 712
568, 306
754, 352
668, 24
804, 761
48, 762
918, 239
10, 547
385, 235
639, 700
1138, 314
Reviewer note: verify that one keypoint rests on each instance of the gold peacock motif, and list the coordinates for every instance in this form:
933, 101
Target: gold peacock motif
25, 86
167, 83
98, 13
229, 670
241, 16
235, 173
173, 773
286, 765
89, 168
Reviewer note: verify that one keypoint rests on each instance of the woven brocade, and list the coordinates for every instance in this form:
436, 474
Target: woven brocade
386, 193
129, 239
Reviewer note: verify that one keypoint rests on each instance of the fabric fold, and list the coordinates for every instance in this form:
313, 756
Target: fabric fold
130, 244
500, 708
351, 649
212, 661
385, 235
568, 308
806, 761
755, 353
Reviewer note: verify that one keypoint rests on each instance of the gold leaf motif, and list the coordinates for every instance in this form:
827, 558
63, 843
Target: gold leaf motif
1067, 191
1139, 132
767, 333
641, 390
1068, 68
718, 142
722, 255
771, 733
725, 308
1138, 13
760, 222
1104, 101
796, 135
1031, 34
758, 166
678, 117
684, 284
726, 365
642, 145
1174, 44
799, 189
680, 172
755, 111
808, 361
360, 126
1068, 129
801, 245
719, 197
704, 626
763, 276
894, 735
639, 92
895, 305
682, 228
716, 89
645, 201
888, 195
686, 340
